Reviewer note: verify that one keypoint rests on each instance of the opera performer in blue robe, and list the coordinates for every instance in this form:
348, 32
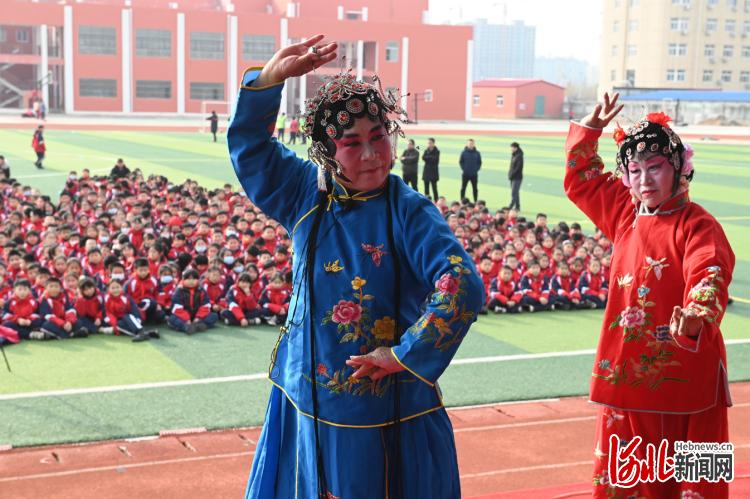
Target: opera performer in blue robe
383, 296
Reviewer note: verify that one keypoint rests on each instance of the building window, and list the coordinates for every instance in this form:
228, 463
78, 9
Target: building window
427, 94
630, 76
709, 50
670, 74
205, 45
678, 23
712, 3
728, 51
680, 75
475, 100
708, 75
258, 47
615, 26
746, 28
745, 76
3, 34
633, 3
632, 50
23, 35
391, 52
729, 25
711, 24
732, 3
726, 76
614, 50
97, 40
632, 26
153, 89
499, 100
93, 87
153, 43
612, 75
746, 51
686, 3
206, 91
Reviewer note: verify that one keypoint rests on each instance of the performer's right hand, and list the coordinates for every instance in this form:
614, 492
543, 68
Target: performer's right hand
296, 60
593, 120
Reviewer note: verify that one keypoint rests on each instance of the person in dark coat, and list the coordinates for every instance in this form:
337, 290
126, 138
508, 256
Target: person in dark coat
515, 175
471, 163
214, 118
410, 165
120, 170
430, 172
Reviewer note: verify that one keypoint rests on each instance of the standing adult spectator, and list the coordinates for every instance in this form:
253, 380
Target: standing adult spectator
120, 170
302, 136
471, 163
214, 119
4, 168
515, 175
280, 126
40, 148
430, 172
293, 130
410, 165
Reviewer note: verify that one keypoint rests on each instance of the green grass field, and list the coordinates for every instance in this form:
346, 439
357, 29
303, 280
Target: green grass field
206, 380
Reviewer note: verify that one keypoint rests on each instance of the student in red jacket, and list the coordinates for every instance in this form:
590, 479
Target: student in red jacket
504, 295
191, 310
216, 288
121, 315
563, 289
535, 295
167, 285
21, 312
142, 288
243, 306
593, 285
59, 315
275, 300
89, 306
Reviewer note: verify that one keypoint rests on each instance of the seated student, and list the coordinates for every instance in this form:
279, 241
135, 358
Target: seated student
70, 285
275, 300
504, 295
216, 288
243, 306
563, 289
256, 282
593, 285
21, 312
121, 315
485, 272
59, 315
115, 270
89, 306
191, 310
535, 295
545, 268
93, 264
167, 285
576, 269
142, 288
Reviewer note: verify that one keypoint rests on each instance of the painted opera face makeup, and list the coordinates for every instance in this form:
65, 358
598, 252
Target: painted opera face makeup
364, 152
651, 179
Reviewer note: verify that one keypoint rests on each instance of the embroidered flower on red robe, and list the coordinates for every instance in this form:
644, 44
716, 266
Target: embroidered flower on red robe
632, 317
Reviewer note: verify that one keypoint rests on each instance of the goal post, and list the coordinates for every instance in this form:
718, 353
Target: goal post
223, 109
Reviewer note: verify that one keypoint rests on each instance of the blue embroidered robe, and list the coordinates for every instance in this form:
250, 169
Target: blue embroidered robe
354, 272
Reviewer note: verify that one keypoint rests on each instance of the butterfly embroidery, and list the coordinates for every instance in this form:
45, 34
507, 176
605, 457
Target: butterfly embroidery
376, 252
624, 281
613, 417
656, 265
333, 266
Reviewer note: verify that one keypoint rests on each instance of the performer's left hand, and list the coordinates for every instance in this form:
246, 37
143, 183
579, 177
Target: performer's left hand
685, 322
376, 364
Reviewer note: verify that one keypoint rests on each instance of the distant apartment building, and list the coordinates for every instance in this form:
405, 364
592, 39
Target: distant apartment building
503, 50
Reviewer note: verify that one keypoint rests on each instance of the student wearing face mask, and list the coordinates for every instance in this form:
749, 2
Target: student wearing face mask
167, 286
660, 371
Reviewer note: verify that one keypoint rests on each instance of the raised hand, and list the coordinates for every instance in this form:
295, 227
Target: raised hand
376, 364
610, 110
296, 60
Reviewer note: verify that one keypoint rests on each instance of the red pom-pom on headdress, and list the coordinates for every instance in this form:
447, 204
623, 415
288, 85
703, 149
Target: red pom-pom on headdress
659, 118
619, 134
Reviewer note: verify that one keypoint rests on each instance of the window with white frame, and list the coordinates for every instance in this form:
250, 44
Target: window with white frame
95, 87
677, 49
632, 50
728, 51
206, 91
206, 45
612, 75
708, 75
153, 89
499, 100
712, 3
23, 35
100, 40
633, 3
678, 23
615, 26
726, 76
614, 50
730, 25
153, 43
709, 50
680, 75
258, 47
670, 74
630, 76
746, 27
632, 25
746, 51
475, 100
685, 3
711, 24
744, 76
732, 3
391, 52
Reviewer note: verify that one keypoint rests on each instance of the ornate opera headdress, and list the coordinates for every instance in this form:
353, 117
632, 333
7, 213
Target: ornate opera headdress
340, 100
652, 135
